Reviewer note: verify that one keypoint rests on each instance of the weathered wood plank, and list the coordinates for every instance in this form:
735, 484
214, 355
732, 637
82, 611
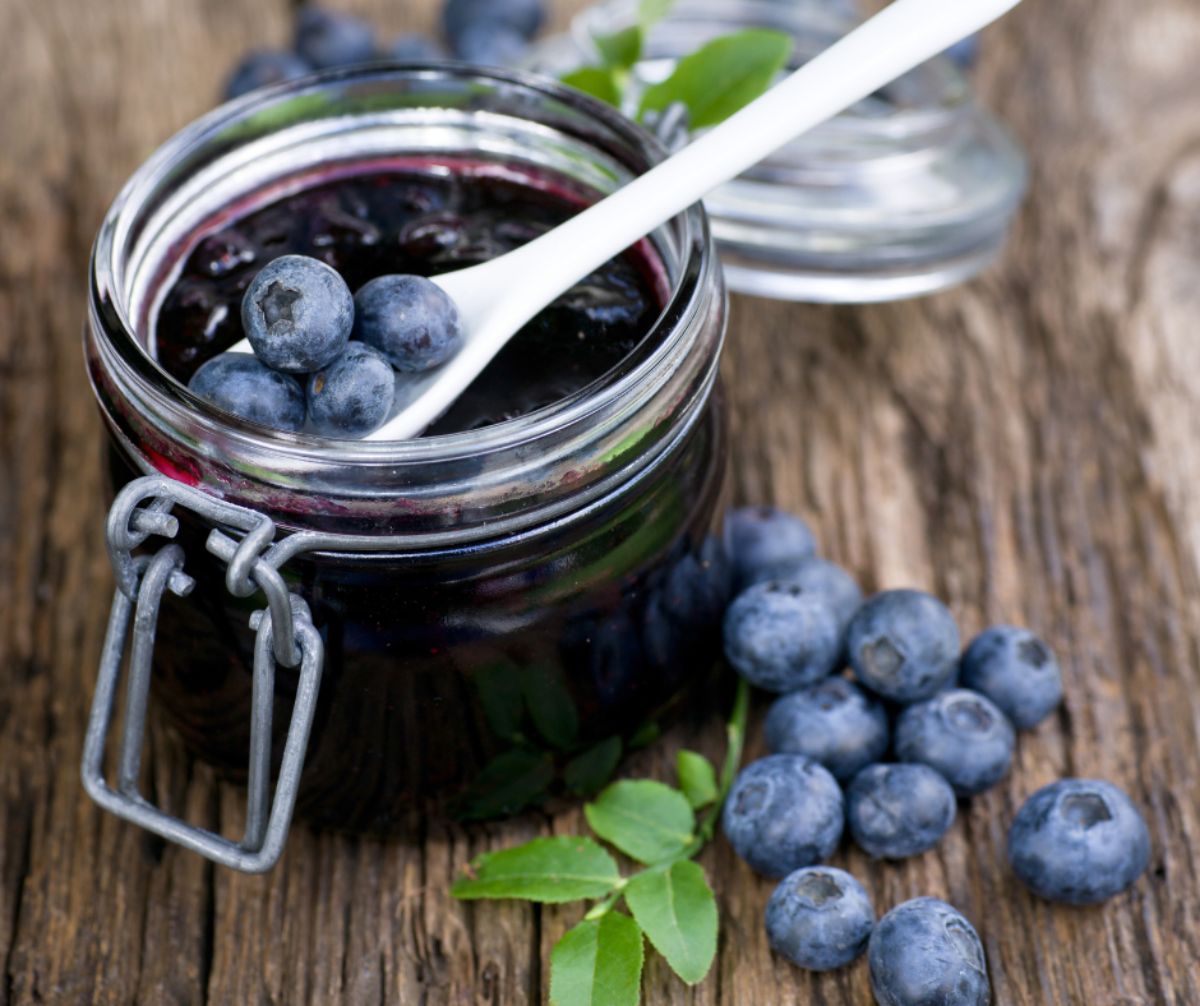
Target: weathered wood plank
1025, 446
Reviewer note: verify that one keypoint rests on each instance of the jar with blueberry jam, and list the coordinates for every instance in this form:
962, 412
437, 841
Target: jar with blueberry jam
370, 632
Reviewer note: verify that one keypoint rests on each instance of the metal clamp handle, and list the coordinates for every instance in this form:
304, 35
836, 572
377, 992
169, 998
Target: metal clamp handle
284, 634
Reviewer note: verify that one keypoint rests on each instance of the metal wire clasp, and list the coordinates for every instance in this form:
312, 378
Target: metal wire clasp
284, 635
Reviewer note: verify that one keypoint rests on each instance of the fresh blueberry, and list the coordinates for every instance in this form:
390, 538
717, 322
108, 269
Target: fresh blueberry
410, 320
1017, 671
490, 43
247, 387
522, 16
896, 811
819, 576
834, 722
764, 541
1079, 841
962, 735
783, 812
820, 918
924, 953
298, 314
415, 49
329, 38
903, 645
780, 637
263, 67
353, 395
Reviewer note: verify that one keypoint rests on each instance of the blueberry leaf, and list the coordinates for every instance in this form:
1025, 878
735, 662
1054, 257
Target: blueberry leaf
587, 772
721, 77
599, 82
621, 49
646, 820
678, 913
697, 778
547, 870
550, 706
499, 689
598, 963
509, 783
650, 11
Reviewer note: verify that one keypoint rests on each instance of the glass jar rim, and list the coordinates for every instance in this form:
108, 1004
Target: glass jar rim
108, 297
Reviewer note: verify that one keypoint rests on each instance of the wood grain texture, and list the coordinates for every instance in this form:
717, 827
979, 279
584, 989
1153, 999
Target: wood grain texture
1027, 446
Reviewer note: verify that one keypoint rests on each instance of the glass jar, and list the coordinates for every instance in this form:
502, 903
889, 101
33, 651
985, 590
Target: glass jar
501, 612
907, 192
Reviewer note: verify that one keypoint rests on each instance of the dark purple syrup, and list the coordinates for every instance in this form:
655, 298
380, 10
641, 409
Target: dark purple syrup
420, 220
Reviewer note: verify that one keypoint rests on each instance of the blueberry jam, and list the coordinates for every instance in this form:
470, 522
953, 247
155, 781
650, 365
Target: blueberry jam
421, 219
475, 680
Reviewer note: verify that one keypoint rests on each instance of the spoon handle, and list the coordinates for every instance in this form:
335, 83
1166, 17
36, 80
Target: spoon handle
902, 36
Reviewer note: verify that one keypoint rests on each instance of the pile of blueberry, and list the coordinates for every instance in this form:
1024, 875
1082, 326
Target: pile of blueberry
490, 32
323, 357
886, 752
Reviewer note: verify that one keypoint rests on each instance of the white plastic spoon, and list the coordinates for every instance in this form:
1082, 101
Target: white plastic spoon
497, 298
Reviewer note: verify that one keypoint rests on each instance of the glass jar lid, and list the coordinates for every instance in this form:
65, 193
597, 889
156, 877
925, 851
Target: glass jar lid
909, 191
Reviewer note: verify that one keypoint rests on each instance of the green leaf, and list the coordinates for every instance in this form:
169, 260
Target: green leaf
678, 913
597, 81
697, 778
646, 820
598, 963
509, 783
549, 870
645, 735
721, 77
622, 49
550, 705
586, 773
499, 689
650, 11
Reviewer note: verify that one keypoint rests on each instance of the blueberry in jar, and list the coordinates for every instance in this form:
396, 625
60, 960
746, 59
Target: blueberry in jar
903, 645
298, 314
1017, 671
819, 576
833, 722
780, 637
960, 734
897, 811
924, 952
784, 812
1079, 841
262, 68
353, 395
820, 918
765, 541
243, 385
330, 38
411, 320
524, 17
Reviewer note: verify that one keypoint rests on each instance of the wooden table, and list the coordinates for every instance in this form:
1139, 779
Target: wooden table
1028, 447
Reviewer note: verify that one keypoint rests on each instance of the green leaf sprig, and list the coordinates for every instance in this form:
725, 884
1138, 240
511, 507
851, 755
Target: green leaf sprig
718, 79
670, 903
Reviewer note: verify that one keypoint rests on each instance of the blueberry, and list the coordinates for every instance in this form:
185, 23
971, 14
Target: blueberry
820, 918
247, 387
819, 576
1017, 671
489, 43
962, 735
353, 395
783, 812
903, 645
263, 67
896, 811
410, 319
329, 38
522, 16
1079, 841
780, 637
297, 314
833, 722
764, 541
415, 49
924, 953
